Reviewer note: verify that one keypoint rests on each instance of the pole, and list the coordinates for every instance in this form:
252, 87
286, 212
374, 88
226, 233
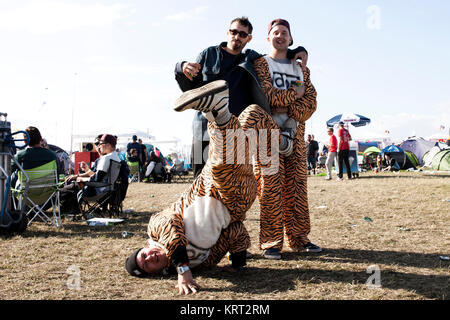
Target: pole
73, 108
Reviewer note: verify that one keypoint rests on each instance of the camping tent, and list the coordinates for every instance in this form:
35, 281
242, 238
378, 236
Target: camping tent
399, 155
441, 160
418, 146
63, 157
372, 151
428, 156
362, 146
412, 157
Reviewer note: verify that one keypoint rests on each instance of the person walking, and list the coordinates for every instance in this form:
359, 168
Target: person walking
332, 151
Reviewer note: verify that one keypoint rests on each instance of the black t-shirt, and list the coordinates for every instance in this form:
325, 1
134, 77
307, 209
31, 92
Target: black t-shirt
238, 82
311, 147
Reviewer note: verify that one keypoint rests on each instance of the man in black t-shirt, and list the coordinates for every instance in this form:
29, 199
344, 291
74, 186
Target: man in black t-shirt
312, 147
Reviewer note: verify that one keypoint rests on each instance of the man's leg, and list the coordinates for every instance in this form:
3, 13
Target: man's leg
230, 182
295, 196
341, 163
329, 164
269, 176
234, 239
347, 163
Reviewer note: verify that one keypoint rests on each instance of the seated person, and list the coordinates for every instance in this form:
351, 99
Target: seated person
379, 163
34, 156
390, 163
133, 156
154, 160
107, 148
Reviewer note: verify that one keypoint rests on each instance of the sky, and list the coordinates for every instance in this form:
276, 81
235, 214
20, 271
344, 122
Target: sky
90, 66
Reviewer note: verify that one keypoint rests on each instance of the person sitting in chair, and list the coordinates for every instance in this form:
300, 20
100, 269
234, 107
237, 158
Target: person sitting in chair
34, 156
107, 148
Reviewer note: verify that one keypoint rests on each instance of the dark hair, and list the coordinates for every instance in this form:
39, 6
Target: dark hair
331, 129
245, 22
89, 146
35, 135
132, 150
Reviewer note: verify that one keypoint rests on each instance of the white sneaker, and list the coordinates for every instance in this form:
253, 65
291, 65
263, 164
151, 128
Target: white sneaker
212, 97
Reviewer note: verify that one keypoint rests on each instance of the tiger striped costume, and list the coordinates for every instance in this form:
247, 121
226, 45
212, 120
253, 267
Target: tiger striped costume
286, 189
224, 190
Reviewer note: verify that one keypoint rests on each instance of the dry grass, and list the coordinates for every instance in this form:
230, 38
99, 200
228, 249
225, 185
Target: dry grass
34, 265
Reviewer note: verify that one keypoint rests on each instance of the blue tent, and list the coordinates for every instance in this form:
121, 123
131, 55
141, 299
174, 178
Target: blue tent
399, 155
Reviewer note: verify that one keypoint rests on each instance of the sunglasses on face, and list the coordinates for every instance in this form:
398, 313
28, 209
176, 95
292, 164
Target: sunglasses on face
241, 34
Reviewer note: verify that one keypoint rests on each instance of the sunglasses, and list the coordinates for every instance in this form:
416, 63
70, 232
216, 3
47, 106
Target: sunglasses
242, 34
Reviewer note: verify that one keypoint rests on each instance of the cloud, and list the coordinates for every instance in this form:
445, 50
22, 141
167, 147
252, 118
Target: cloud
51, 16
195, 14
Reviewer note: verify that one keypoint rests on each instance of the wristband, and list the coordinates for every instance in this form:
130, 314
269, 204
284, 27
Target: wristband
183, 268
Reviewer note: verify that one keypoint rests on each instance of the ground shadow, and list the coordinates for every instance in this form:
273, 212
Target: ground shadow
267, 280
370, 257
423, 176
257, 280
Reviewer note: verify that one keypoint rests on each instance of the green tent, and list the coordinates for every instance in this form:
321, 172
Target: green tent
372, 151
441, 160
412, 157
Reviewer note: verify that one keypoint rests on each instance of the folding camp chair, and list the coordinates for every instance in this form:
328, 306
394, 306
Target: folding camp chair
107, 200
134, 171
179, 171
43, 189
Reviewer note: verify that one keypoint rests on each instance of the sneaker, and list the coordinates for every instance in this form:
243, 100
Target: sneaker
210, 97
272, 253
328, 178
339, 179
248, 254
310, 247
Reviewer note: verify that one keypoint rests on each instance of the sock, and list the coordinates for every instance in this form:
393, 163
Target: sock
221, 117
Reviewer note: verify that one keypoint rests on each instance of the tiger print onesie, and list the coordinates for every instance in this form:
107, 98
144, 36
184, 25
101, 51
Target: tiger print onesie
283, 196
208, 218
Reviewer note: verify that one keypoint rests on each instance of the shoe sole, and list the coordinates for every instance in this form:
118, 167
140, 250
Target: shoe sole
272, 257
187, 98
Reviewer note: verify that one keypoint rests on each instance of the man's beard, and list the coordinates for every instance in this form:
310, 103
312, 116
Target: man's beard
237, 45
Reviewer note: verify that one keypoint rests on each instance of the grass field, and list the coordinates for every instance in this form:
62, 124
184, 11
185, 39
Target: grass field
410, 229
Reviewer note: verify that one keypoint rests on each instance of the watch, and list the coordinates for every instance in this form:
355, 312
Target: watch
182, 269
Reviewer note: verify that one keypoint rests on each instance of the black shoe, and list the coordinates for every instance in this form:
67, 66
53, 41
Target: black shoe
272, 253
310, 247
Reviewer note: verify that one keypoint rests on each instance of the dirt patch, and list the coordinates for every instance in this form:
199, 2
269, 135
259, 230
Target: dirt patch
407, 232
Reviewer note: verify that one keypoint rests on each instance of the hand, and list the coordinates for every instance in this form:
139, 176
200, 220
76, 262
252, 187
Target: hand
300, 91
191, 69
84, 166
303, 56
70, 178
186, 283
